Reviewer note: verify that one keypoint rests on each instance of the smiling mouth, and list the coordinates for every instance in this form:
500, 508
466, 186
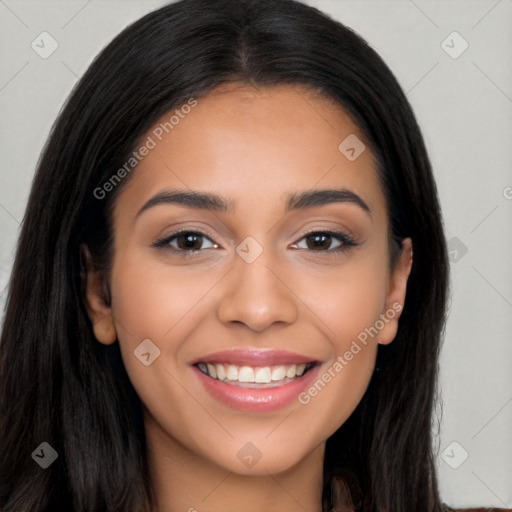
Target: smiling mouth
255, 376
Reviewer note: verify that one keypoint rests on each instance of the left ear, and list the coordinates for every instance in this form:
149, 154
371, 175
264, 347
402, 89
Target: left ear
395, 297
96, 301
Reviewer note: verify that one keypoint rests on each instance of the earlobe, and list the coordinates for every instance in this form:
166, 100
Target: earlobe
395, 298
97, 302
104, 330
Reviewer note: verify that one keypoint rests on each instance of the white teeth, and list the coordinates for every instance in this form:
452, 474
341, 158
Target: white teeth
290, 372
301, 368
232, 373
212, 371
249, 374
246, 374
221, 373
278, 373
263, 375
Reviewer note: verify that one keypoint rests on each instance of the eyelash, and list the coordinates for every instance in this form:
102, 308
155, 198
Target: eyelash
347, 242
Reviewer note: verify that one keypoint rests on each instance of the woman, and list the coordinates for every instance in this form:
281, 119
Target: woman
230, 285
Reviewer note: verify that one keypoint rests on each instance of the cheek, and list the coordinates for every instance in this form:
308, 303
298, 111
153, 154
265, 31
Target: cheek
346, 305
156, 303
349, 321
151, 299
152, 302
346, 300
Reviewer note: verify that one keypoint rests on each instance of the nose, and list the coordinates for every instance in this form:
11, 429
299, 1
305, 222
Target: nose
257, 295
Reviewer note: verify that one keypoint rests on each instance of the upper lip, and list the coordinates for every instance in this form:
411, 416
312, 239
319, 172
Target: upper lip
255, 357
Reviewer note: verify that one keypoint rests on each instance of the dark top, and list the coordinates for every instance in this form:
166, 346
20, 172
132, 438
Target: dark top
342, 500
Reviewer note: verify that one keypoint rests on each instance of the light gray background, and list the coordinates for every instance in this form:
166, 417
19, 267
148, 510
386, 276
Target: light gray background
464, 106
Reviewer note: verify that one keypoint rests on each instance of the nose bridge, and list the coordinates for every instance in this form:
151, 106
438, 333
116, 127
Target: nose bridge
255, 295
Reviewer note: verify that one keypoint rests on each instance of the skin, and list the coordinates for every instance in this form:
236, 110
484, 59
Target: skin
252, 146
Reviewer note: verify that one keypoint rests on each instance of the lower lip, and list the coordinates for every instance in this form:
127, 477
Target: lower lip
254, 399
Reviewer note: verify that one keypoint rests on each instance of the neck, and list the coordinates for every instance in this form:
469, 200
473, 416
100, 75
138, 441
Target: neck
183, 481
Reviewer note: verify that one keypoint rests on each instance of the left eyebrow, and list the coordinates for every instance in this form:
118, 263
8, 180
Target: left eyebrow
294, 201
313, 198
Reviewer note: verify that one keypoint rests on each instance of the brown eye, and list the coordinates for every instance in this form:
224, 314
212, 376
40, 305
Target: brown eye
318, 241
186, 242
325, 241
189, 241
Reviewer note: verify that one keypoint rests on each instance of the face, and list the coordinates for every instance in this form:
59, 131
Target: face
251, 283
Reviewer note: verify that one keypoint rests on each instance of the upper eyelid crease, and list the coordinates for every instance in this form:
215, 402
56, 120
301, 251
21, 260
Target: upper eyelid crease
214, 202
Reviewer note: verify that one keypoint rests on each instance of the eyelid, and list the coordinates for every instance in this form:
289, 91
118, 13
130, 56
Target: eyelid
347, 240
163, 242
329, 231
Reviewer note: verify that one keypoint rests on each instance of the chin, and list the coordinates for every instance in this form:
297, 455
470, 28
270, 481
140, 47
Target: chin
274, 463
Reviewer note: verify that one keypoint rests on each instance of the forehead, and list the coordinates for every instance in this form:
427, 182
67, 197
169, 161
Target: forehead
253, 144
